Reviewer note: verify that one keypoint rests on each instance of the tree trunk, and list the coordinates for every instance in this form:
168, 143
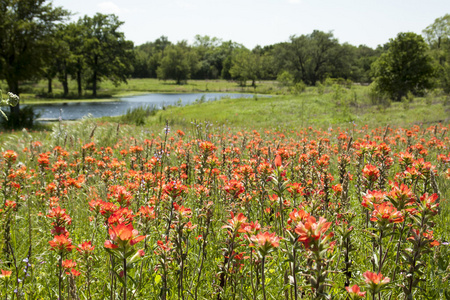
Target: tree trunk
49, 85
94, 84
65, 84
80, 91
94, 77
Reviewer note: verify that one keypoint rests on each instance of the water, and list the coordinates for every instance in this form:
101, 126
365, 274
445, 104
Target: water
77, 110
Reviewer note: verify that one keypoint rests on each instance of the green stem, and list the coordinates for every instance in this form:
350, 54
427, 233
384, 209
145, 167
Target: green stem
60, 275
263, 278
124, 276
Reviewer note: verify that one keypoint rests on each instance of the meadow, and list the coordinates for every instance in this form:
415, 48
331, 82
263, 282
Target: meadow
319, 195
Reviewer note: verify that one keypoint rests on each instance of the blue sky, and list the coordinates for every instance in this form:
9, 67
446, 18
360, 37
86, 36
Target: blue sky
265, 22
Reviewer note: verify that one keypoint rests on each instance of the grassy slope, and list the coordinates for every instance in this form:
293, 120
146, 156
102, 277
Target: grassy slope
307, 109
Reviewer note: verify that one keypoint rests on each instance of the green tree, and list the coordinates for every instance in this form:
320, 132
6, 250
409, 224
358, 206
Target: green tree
61, 57
210, 57
405, 67
438, 32
438, 37
310, 58
179, 63
106, 52
148, 57
71, 61
25, 31
247, 65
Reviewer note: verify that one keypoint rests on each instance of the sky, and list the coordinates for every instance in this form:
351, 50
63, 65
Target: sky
264, 22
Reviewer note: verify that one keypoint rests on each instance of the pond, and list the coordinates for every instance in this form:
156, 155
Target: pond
77, 110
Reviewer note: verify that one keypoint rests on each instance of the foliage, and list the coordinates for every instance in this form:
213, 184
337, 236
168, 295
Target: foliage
137, 116
285, 79
247, 65
404, 67
321, 54
148, 58
438, 32
178, 63
309, 57
25, 39
105, 51
438, 37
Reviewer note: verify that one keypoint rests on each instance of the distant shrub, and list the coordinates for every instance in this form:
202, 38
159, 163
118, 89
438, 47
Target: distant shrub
138, 115
377, 97
285, 79
298, 88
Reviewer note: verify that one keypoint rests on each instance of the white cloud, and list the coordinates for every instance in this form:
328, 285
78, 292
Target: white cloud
109, 8
294, 1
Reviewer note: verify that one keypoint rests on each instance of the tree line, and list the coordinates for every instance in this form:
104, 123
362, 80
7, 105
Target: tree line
38, 42
309, 58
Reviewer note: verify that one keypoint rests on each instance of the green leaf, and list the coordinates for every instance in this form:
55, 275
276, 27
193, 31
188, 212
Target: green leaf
158, 279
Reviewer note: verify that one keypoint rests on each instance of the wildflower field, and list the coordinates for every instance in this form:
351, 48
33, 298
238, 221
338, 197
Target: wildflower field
101, 211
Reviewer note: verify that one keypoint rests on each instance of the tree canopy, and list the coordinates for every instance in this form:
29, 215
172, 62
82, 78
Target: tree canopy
438, 37
105, 51
309, 57
178, 63
405, 67
25, 34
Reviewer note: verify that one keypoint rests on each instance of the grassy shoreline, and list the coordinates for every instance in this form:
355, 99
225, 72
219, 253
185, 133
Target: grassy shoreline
327, 106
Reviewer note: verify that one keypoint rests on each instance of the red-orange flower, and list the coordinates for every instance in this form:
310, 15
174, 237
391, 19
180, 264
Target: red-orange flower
375, 281
265, 242
122, 215
373, 197
429, 202
175, 189
297, 216
278, 161
182, 211
355, 292
5, 274
62, 243
60, 216
375, 278
401, 196
69, 264
371, 172
311, 231
10, 156
9, 204
147, 212
385, 213
122, 236
234, 188
235, 222
250, 228
85, 247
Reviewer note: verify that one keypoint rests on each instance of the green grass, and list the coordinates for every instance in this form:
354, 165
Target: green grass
327, 106
307, 109
35, 92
